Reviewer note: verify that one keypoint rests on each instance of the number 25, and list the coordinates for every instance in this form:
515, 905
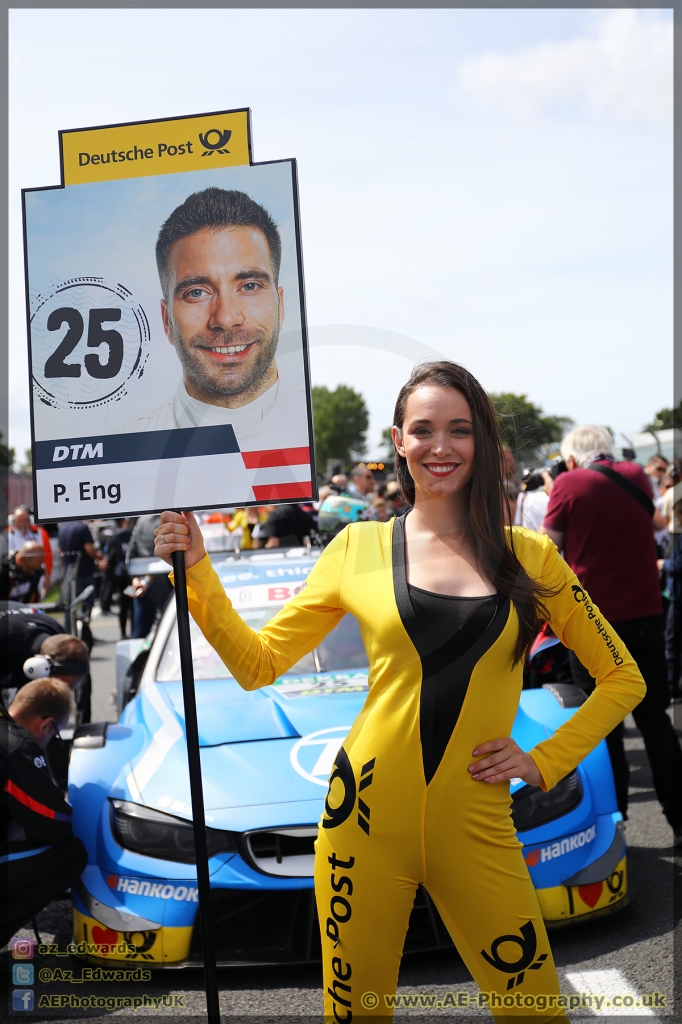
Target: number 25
55, 365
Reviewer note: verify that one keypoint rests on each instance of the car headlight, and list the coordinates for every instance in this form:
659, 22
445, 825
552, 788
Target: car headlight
531, 807
155, 834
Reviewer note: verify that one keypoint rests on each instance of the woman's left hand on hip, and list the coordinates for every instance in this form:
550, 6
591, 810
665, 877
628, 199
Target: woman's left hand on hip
503, 760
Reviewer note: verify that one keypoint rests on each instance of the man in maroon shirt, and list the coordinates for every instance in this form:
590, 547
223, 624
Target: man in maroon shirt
600, 515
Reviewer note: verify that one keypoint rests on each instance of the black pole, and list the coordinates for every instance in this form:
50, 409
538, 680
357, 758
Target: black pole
196, 788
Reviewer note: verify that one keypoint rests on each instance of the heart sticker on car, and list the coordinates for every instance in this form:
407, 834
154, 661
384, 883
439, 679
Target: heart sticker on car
590, 893
104, 936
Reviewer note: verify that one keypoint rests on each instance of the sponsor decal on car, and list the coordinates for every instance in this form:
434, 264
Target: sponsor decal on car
319, 685
256, 595
313, 755
158, 890
542, 853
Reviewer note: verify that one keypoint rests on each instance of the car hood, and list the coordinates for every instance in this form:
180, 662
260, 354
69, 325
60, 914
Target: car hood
228, 714
263, 753
294, 706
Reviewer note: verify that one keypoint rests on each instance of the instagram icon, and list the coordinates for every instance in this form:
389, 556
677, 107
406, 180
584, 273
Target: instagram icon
22, 949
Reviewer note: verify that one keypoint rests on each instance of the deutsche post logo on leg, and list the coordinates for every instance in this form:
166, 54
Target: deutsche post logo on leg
528, 943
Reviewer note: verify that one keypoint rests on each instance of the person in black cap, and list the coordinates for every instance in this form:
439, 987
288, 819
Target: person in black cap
39, 855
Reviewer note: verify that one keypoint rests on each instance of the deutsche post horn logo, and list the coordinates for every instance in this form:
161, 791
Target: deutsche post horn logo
219, 142
527, 944
344, 773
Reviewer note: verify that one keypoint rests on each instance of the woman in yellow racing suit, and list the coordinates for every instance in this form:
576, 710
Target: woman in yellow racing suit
448, 601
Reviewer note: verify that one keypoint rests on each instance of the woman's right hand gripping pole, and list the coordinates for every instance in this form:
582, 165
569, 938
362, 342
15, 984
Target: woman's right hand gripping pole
179, 531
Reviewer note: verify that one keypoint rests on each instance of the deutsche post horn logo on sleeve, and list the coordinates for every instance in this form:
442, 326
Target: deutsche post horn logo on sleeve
214, 141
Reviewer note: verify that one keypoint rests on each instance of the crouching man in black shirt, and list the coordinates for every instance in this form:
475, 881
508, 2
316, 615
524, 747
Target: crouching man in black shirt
39, 855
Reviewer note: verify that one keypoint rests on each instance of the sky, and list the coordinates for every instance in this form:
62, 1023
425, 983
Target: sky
491, 186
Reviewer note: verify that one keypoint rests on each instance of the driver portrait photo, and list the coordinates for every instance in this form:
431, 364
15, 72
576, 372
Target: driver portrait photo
168, 341
218, 257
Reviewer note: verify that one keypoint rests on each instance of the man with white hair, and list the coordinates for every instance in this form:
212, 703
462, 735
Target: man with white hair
601, 515
21, 531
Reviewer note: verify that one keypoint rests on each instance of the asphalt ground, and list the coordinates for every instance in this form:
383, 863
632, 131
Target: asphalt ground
629, 954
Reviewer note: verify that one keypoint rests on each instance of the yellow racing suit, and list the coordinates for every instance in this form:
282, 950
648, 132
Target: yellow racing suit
402, 809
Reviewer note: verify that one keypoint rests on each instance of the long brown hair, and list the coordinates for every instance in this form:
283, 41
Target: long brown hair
492, 546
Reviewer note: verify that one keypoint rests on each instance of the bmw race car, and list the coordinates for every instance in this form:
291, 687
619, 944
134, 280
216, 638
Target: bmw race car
266, 757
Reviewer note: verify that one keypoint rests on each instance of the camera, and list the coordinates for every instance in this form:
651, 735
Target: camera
558, 467
532, 480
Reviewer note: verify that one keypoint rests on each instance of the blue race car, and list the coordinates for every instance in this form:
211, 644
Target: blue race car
266, 758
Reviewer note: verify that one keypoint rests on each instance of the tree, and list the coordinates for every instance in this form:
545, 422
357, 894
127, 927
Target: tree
664, 419
523, 426
387, 442
6, 454
341, 420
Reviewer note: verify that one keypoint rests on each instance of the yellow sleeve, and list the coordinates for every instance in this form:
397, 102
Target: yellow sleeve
238, 519
580, 626
258, 659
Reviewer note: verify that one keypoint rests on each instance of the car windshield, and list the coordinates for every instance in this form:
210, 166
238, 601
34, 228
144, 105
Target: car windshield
341, 649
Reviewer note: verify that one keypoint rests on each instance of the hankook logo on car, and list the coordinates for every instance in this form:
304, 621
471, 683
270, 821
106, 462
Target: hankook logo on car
562, 846
158, 890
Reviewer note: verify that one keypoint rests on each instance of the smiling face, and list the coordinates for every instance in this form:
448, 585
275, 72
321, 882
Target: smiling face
437, 440
223, 314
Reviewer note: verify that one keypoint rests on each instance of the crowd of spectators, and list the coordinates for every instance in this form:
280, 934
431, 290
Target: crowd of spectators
618, 525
